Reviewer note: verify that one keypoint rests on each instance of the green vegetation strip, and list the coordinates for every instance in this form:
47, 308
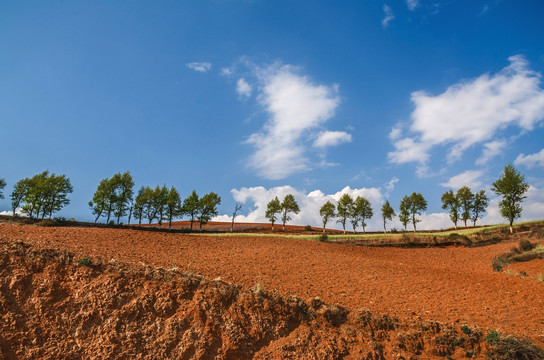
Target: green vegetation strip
316, 235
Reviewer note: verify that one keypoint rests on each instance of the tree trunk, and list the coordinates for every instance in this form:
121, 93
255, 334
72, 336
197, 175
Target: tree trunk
384, 229
511, 228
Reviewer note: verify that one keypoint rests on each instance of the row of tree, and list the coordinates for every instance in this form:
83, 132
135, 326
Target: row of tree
464, 205
115, 197
41, 195
46, 193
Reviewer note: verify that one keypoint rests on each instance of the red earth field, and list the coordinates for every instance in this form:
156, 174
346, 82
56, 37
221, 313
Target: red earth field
453, 285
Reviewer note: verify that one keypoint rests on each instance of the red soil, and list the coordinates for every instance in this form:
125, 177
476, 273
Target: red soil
533, 268
452, 285
242, 227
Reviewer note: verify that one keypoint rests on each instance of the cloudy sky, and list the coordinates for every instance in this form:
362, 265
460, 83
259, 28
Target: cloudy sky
254, 99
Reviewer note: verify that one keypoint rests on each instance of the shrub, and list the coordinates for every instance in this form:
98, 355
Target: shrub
308, 228
523, 274
492, 336
526, 245
85, 261
510, 348
323, 237
498, 263
465, 329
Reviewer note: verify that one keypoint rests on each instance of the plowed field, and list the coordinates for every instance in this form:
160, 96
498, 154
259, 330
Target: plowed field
452, 284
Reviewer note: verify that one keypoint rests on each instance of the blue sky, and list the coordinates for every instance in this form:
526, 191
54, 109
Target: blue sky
253, 99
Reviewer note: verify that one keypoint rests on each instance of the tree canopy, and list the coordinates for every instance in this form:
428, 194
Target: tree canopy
511, 186
272, 209
288, 205
42, 195
387, 214
343, 210
327, 212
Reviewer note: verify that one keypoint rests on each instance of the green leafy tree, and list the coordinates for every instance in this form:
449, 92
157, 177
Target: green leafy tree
360, 211
208, 208
288, 205
173, 205
479, 206
511, 186
387, 214
56, 190
465, 197
100, 201
18, 195
191, 205
42, 195
416, 204
2, 186
450, 201
151, 207
327, 212
123, 191
273, 208
343, 210
160, 197
404, 214
141, 202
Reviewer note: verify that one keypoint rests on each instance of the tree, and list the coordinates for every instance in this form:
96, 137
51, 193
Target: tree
57, 188
190, 206
208, 208
150, 207
360, 211
20, 190
404, 214
173, 205
122, 185
450, 201
43, 194
327, 212
416, 204
140, 203
100, 201
2, 186
387, 214
479, 205
465, 197
288, 205
343, 210
160, 196
511, 186
237, 208
272, 209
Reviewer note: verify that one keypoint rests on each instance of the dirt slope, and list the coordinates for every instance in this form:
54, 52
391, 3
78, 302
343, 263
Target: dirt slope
52, 308
453, 285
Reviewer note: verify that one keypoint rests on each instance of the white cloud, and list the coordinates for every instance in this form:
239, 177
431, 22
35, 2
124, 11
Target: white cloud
468, 178
331, 138
531, 160
389, 16
226, 72
412, 4
309, 204
491, 149
391, 186
18, 211
297, 109
472, 112
396, 132
243, 88
200, 66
